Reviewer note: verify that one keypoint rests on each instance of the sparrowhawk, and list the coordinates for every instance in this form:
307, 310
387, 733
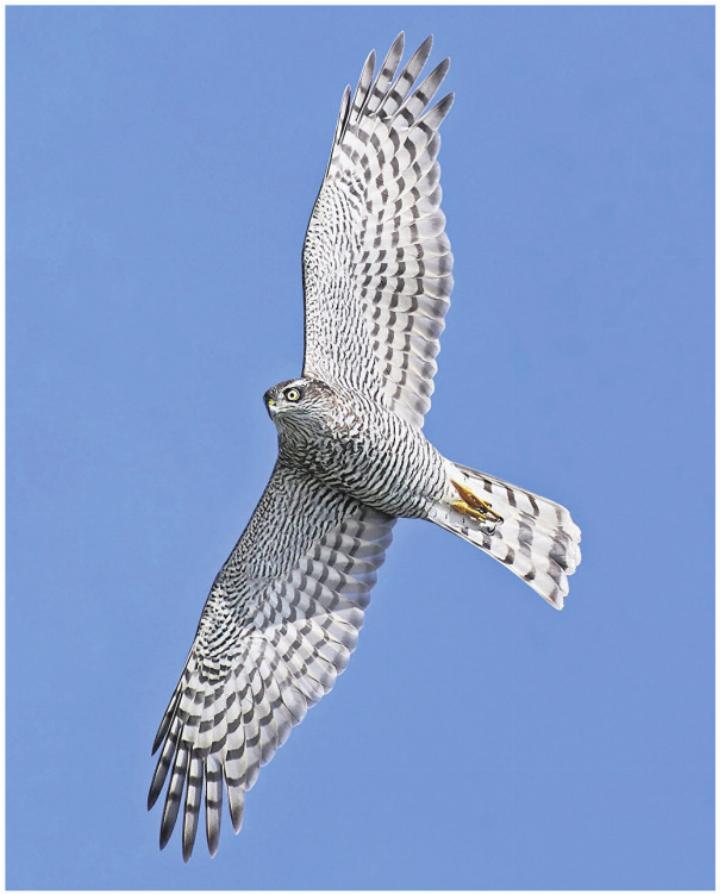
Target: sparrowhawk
284, 612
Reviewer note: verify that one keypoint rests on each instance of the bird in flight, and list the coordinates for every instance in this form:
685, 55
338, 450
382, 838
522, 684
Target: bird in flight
285, 610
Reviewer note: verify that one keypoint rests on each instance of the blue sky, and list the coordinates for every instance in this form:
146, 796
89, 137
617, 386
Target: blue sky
161, 167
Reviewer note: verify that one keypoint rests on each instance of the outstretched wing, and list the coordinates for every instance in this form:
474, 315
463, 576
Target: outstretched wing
278, 627
376, 261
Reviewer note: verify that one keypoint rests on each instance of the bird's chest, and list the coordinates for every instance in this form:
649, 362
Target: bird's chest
378, 460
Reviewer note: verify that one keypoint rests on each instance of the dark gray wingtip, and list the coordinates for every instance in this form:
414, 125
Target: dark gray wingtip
437, 114
166, 830
187, 848
213, 839
153, 795
167, 720
170, 815
158, 780
426, 46
236, 817
157, 741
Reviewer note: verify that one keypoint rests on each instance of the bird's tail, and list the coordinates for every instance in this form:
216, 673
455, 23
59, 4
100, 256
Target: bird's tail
536, 538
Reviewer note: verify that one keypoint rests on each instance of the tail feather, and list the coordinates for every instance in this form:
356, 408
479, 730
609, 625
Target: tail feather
534, 537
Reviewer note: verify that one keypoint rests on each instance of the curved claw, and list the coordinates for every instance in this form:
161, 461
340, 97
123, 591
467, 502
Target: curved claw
473, 506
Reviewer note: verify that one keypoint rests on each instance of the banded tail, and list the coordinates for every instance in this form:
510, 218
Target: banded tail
536, 538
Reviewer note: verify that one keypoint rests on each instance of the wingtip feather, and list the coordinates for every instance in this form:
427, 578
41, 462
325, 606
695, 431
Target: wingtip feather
153, 795
439, 112
165, 833
157, 741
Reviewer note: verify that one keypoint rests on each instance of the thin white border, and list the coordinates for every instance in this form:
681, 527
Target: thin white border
2, 364
371, 3
3, 453
717, 456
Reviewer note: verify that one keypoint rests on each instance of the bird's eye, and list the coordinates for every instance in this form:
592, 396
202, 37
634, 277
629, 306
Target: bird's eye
293, 394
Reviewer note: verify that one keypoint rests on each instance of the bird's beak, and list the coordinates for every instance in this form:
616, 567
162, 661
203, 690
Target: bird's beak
272, 406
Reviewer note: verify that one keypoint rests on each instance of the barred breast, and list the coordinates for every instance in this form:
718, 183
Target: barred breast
378, 459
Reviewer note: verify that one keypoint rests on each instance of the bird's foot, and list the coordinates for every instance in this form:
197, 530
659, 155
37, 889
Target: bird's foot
471, 505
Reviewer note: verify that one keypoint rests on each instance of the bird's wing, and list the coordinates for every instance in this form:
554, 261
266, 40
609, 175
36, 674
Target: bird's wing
376, 260
278, 627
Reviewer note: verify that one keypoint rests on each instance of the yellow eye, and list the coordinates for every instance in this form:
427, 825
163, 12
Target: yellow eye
292, 394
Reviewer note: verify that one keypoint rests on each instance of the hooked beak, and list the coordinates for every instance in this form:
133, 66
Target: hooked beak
271, 405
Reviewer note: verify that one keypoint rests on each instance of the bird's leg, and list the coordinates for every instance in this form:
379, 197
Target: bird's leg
472, 505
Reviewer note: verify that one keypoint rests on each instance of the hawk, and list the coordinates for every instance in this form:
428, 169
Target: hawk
285, 610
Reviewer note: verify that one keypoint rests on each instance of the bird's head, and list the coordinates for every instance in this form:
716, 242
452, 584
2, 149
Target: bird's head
299, 403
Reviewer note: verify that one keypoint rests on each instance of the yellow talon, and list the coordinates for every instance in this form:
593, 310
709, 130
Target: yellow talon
472, 505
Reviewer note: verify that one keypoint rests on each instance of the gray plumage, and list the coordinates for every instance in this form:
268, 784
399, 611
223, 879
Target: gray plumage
284, 612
